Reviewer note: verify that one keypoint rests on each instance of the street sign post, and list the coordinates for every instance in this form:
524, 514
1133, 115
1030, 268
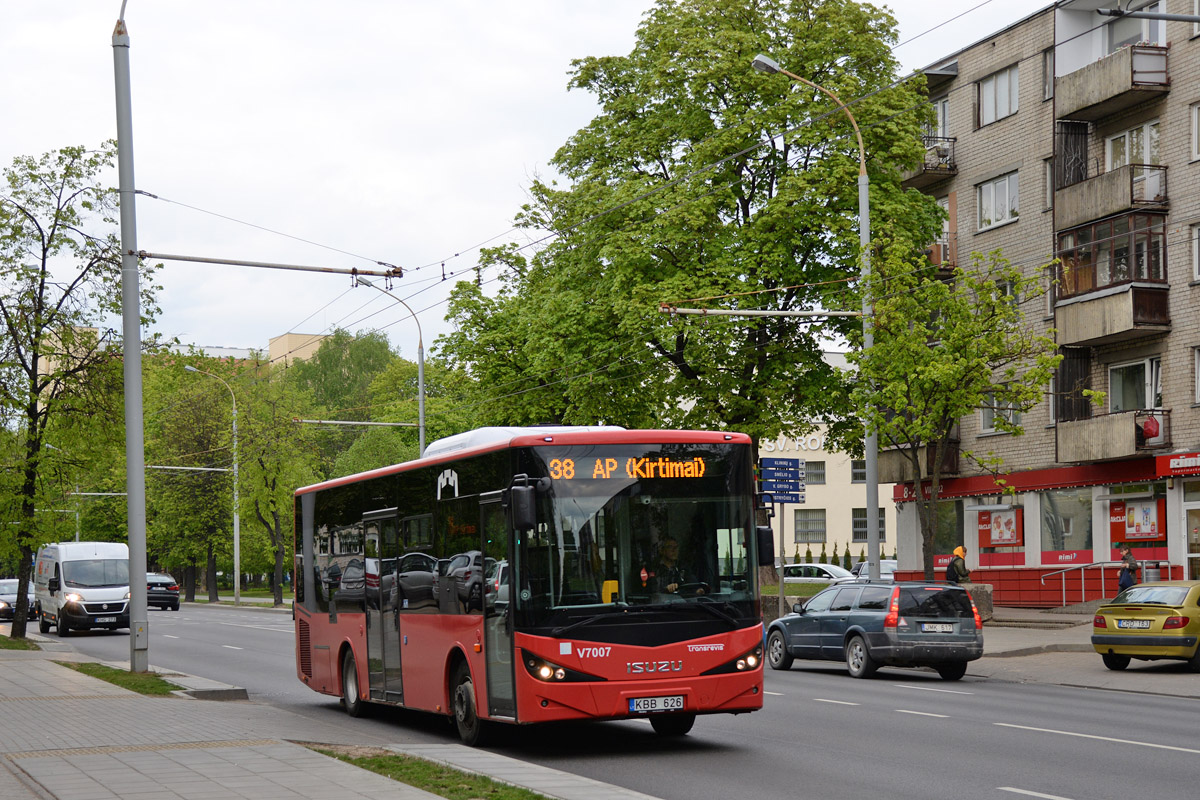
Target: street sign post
783, 480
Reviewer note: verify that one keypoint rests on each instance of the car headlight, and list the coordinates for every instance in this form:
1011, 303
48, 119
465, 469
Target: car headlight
127, 595
71, 597
3, 604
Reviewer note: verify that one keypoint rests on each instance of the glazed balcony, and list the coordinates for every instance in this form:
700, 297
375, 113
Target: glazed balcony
938, 164
1130, 76
1109, 437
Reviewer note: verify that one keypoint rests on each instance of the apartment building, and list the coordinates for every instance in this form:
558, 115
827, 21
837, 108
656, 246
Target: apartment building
1056, 137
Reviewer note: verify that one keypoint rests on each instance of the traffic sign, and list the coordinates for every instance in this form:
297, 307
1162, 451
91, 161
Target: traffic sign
781, 463
776, 474
779, 486
786, 497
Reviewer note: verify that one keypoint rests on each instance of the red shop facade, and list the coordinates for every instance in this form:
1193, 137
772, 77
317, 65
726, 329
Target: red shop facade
1047, 538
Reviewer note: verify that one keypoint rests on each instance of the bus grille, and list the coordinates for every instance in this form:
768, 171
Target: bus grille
305, 650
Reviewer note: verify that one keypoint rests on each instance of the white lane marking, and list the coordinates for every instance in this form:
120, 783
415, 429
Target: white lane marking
1028, 793
773, 694
921, 713
835, 702
929, 689
1100, 738
288, 629
231, 647
169, 636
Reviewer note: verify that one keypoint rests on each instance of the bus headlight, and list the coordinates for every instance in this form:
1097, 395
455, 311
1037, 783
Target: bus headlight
549, 672
747, 662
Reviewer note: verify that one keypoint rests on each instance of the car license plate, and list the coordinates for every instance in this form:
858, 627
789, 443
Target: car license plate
102, 620
650, 705
1133, 623
937, 627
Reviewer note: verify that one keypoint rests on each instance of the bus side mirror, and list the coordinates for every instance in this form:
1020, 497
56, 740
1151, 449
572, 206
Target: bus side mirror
766, 546
524, 507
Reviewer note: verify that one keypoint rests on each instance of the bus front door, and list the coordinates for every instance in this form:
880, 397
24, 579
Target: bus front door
383, 621
493, 522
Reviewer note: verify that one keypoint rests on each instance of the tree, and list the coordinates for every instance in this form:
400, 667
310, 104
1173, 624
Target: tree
59, 273
701, 178
946, 346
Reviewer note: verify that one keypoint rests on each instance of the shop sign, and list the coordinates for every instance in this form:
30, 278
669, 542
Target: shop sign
1178, 464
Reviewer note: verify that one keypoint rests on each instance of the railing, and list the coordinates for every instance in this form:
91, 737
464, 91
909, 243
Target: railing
1083, 576
939, 153
1148, 66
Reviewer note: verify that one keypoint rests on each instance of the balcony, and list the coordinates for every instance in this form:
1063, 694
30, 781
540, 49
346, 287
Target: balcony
1130, 76
1141, 186
1118, 314
895, 467
938, 163
1113, 436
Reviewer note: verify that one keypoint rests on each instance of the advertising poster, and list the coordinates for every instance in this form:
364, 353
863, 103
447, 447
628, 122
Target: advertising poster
1138, 520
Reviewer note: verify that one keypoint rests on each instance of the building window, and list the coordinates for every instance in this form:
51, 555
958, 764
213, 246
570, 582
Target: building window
1132, 387
998, 201
995, 412
1048, 73
858, 471
1137, 146
810, 526
858, 525
1118, 250
941, 118
814, 473
1195, 252
1066, 520
998, 95
1128, 31
1194, 116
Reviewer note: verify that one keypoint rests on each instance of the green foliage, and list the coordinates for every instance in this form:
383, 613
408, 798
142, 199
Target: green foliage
846, 563
824, 559
140, 682
808, 557
700, 178
943, 349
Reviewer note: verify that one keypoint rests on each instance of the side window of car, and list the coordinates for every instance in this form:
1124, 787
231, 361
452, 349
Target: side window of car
820, 602
844, 600
875, 598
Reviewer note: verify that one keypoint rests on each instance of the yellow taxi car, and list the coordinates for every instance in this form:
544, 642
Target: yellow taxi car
1148, 622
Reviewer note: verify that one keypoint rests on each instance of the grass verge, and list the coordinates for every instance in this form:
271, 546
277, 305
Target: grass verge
9, 643
140, 682
433, 778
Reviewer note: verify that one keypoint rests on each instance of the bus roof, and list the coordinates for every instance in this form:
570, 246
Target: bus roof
484, 440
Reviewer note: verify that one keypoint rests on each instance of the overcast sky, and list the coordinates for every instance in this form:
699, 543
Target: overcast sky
402, 131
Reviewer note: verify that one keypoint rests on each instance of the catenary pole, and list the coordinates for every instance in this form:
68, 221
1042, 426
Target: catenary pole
131, 318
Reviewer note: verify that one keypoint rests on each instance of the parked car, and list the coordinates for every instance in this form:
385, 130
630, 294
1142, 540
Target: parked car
870, 624
8, 599
496, 585
813, 573
859, 572
162, 591
1150, 621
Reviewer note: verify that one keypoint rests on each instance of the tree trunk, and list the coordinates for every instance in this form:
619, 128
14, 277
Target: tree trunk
211, 575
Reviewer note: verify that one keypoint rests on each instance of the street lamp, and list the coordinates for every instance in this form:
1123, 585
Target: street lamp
420, 365
237, 535
763, 63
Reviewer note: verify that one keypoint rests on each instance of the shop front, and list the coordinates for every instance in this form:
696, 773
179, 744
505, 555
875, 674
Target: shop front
1048, 538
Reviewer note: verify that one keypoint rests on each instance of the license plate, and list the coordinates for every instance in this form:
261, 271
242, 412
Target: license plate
1133, 623
650, 705
937, 627
102, 620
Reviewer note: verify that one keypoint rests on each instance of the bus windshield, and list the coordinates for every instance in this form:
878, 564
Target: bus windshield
638, 526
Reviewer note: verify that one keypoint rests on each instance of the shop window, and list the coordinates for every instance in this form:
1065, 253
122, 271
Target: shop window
1067, 525
951, 519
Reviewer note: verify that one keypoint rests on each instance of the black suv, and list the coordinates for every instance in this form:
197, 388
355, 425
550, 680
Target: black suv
874, 623
162, 591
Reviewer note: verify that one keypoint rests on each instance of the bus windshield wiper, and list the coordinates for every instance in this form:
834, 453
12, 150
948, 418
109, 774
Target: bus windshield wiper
579, 623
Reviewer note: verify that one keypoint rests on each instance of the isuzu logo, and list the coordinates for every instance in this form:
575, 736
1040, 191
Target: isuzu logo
646, 667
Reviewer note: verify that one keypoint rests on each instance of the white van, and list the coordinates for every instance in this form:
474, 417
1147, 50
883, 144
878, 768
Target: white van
82, 585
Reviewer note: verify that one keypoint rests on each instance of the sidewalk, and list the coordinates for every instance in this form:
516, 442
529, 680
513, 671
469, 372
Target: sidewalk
71, 737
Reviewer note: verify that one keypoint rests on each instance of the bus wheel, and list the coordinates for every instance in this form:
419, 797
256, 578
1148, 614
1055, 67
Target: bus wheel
350, 698
672, 724
43, 623
466, 719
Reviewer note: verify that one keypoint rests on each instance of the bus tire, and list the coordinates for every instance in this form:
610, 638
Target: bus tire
43, 623
672, 724
353, 703
466, 717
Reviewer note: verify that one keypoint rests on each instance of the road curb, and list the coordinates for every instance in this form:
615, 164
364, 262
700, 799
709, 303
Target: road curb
1061, 647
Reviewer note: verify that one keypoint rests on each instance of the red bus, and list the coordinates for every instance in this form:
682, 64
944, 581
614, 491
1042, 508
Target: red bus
520, 575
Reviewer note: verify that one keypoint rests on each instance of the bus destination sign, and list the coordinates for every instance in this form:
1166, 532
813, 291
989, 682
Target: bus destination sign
566, 469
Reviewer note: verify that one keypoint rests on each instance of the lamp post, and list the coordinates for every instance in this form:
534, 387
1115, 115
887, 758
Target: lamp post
237, 535
768, 65
420, 365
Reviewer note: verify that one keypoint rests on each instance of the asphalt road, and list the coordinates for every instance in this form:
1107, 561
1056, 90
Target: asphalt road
903, 733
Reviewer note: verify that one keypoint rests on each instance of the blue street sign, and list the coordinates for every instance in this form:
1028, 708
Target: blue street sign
781, 463
786, 497
779, 486
776, 474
